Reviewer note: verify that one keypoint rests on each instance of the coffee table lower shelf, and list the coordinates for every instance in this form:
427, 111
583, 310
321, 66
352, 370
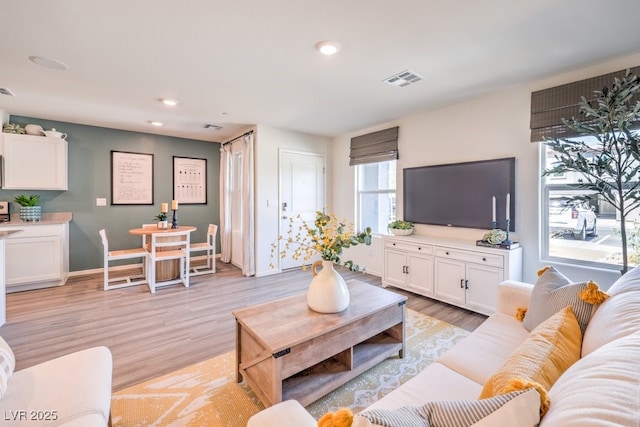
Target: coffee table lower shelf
311, 384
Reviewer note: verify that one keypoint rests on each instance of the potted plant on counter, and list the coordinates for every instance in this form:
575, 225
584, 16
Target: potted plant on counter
29, 209
400, 227
163, 223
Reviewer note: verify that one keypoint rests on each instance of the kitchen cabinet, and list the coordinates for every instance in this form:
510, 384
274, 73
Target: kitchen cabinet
453, 271
409, 266
34, 162
38, 256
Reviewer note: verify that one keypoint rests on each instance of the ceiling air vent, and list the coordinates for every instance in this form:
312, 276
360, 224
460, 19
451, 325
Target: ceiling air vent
6, 91
403, 79
210, 126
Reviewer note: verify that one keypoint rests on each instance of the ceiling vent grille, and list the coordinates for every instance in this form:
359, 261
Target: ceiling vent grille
405, 78
6, 91
210, 126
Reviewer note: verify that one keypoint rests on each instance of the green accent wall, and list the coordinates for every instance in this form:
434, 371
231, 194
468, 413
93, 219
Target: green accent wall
90, 178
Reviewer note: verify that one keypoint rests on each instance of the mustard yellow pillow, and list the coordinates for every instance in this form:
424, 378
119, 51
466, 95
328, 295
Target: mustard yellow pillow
541, 358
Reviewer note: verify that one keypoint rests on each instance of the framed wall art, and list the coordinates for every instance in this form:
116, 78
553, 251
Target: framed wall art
189, 180
131, 178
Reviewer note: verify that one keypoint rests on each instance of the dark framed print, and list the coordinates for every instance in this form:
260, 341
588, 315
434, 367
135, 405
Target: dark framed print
131, 178
189, 180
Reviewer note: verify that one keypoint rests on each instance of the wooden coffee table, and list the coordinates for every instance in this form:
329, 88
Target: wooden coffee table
285, 350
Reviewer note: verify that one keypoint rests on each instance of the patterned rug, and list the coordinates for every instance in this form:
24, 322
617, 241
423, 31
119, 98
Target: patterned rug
206, 394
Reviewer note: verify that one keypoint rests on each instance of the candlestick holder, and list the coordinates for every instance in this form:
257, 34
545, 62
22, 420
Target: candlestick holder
174, 222
508, 241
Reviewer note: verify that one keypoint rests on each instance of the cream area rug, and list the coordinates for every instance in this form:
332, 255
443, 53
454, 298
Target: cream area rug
206, 394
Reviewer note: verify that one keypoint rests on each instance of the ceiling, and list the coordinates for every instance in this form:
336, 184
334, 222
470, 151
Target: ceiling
239, 63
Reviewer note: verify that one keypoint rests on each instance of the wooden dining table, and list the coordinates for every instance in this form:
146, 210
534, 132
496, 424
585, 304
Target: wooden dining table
169, 269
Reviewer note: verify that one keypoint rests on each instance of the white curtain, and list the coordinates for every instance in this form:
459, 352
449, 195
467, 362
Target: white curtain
248, 253
225, 203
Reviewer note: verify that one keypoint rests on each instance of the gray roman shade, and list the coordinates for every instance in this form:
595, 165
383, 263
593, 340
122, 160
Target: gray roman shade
374, 147
550, 106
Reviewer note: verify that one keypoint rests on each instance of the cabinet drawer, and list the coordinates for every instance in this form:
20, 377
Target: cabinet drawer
27, 231
470, 256
409, 246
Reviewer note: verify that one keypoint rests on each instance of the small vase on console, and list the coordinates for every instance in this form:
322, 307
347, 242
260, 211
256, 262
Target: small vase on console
328, 292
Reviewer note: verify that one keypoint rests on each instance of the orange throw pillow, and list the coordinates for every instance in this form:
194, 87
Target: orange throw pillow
542, 357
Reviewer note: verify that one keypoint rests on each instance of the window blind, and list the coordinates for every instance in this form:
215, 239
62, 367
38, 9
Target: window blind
550, 106
374, 147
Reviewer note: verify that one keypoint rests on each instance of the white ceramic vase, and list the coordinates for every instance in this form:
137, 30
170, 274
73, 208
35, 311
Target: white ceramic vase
328, 292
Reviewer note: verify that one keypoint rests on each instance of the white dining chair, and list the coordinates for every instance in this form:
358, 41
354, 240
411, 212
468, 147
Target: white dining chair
167, 247
209, 247
120, 254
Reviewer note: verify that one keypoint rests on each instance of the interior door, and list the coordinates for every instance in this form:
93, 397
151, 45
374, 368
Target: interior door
302, 192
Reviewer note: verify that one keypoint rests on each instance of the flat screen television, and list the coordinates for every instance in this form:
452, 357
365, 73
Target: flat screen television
460, 194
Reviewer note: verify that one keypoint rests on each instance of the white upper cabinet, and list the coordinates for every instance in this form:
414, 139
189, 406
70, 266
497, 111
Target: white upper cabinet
34, 162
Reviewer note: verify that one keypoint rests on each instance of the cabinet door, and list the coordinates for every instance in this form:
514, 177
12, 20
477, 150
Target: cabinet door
34, 163
33, 259
420, 273
449, 280
395, 268
482, 284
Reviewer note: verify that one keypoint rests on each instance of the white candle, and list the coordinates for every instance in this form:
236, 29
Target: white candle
493, 209
164, 208
174, 205
508, 204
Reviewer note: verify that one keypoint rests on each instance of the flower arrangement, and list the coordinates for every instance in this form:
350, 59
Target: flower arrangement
328, 238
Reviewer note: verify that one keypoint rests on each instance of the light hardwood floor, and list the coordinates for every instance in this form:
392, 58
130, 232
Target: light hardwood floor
150, 335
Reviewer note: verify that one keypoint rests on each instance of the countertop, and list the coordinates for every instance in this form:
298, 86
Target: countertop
47, 219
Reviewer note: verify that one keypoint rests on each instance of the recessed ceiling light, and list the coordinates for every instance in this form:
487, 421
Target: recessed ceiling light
169, 102
156, 123
328, 47
54, 64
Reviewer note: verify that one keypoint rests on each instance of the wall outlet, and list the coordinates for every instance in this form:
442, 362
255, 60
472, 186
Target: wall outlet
101, 201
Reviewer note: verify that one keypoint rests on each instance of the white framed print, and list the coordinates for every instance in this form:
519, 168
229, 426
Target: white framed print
131, 178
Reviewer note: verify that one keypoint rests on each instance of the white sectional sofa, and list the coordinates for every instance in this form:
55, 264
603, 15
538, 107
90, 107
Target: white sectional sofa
601, 389
71, 391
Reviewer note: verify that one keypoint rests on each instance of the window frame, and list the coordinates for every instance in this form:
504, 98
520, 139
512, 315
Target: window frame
359, 193
545, 189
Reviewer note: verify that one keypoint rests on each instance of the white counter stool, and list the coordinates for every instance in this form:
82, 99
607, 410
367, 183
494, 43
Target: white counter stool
121, 281
209, 247
165, 247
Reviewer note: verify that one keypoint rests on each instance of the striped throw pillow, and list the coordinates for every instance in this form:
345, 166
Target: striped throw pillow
458, 413
7, 365
552, 292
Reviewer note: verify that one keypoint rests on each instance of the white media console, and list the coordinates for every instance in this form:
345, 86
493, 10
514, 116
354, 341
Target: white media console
453, 271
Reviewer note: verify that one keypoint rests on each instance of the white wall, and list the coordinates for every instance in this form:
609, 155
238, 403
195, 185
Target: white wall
268, 142
493, 126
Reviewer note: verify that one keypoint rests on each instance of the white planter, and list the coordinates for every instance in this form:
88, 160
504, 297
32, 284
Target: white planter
401, 232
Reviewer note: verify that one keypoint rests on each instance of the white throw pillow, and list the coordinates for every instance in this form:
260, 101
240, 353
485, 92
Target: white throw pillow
7, 365
600, 389
617, 317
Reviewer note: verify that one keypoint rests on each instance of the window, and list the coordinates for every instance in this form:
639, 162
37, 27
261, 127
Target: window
376, 198
585, 232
